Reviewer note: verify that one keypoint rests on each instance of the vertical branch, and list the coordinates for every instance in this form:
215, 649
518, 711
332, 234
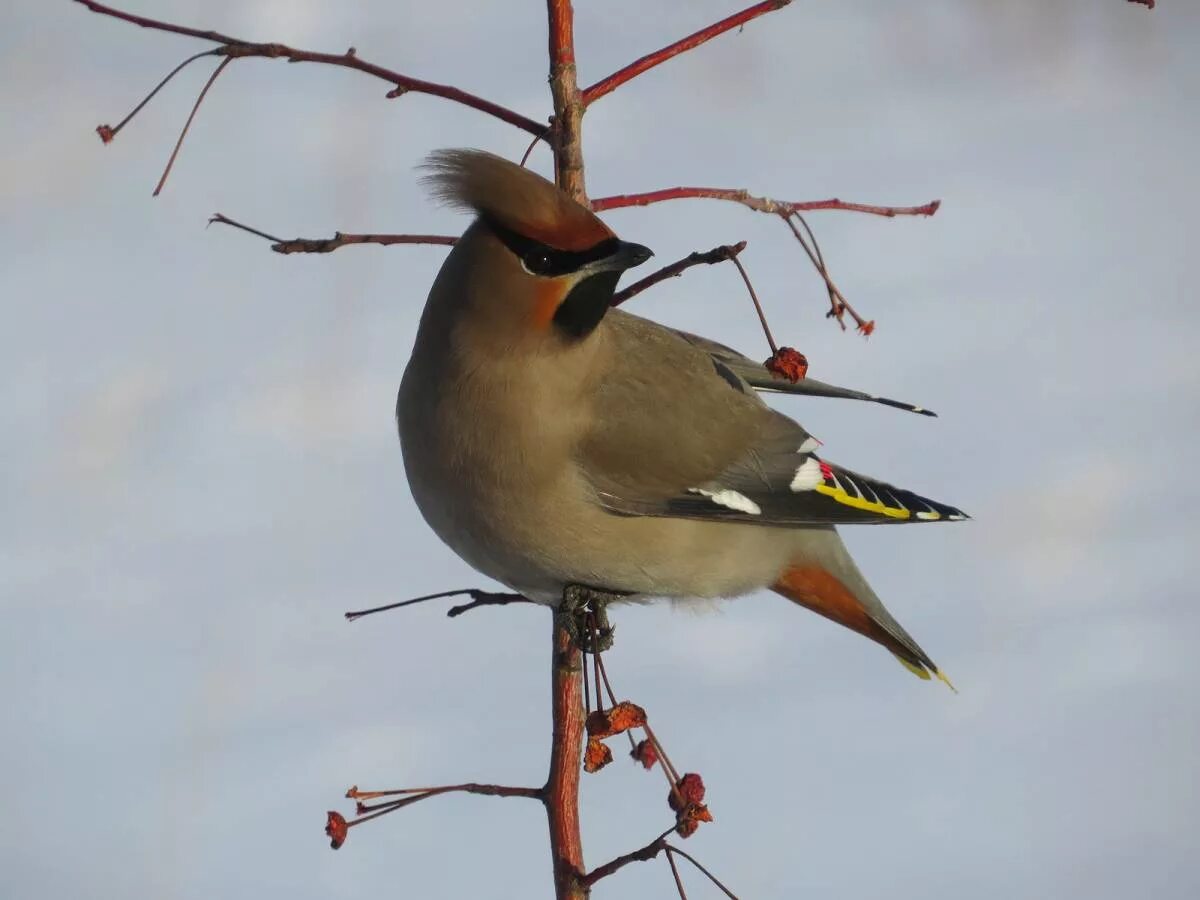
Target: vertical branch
562, 786
568, 105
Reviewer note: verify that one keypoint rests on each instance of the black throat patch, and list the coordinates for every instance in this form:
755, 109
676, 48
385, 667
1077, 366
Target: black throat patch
583, 308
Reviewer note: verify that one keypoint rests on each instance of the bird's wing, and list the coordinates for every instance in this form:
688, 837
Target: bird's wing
678, 433
761, 379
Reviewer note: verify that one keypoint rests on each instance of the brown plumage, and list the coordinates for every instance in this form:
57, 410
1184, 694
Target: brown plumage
518, 198
551, 440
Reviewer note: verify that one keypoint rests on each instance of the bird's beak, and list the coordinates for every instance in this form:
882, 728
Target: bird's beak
626, 256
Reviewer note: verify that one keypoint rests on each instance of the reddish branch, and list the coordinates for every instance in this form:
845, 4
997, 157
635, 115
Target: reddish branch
790, 212
566, 749
566, 695
759, 204
658, 57
237, 47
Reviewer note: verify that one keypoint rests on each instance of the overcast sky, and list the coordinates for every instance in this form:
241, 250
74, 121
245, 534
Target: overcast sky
200, 468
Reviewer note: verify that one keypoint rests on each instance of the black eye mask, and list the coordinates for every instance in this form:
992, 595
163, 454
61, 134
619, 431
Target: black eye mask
549, 262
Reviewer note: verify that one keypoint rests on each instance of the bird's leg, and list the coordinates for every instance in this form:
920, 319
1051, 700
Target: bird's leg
584, 612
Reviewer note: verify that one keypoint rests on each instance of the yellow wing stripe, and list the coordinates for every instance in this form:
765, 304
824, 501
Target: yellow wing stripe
840, 495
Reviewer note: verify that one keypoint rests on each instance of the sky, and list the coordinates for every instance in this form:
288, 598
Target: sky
200, 470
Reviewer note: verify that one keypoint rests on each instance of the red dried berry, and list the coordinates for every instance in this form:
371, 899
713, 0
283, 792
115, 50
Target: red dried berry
596, 756
606, 722
337, 829
789, 363
645, 753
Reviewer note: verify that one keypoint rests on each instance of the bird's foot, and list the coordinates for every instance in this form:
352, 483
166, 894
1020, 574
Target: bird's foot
584, 612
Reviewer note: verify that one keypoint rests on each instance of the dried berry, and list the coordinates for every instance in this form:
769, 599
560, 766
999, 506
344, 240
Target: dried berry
596, 756
789, 363
645, 753
607, 722
337, 829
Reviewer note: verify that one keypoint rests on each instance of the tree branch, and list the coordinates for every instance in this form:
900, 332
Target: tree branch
338, 827
402, 84
566, 749
672, 849
675, 269
642, 854
186, 125
470, 787
478, 598
759, 204
658, 57
566, 694
339, 239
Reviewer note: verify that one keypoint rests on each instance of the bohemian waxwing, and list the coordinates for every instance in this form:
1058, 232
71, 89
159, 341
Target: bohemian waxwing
551, 440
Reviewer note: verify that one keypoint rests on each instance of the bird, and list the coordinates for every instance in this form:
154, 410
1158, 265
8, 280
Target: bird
552, 440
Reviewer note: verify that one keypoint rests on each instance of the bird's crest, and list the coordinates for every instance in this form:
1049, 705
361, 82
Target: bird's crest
517, 198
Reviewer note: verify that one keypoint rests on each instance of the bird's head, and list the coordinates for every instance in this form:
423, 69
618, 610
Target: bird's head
539, 259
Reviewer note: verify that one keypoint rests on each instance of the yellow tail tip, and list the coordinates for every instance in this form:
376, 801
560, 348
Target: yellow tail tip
925, 674
946, 681
920, 671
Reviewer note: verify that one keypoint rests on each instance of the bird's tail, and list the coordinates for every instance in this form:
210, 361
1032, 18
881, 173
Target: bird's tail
824, 579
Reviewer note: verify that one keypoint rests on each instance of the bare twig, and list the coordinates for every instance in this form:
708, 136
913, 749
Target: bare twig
108, 132
671, 848
664, 762
675, 269
339, 239
478, 598
678, 880
838, 306
762, 317
658, 57
529, 151
759, 204
186, 125
237, 47
642, 854
470, 787
338, 826
486, 598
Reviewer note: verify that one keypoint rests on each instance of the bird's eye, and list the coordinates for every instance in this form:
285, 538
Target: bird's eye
538, 262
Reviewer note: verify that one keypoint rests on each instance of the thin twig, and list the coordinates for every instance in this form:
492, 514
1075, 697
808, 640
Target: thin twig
108, 132
675, 269
642, 854
660, 56
478, 598
671, 848
838, 303
188, 124
758, 204
470, 787
367, 813
402, 84
529, 150
664, 762
762, 317
486, 598
339, 239
678, 880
